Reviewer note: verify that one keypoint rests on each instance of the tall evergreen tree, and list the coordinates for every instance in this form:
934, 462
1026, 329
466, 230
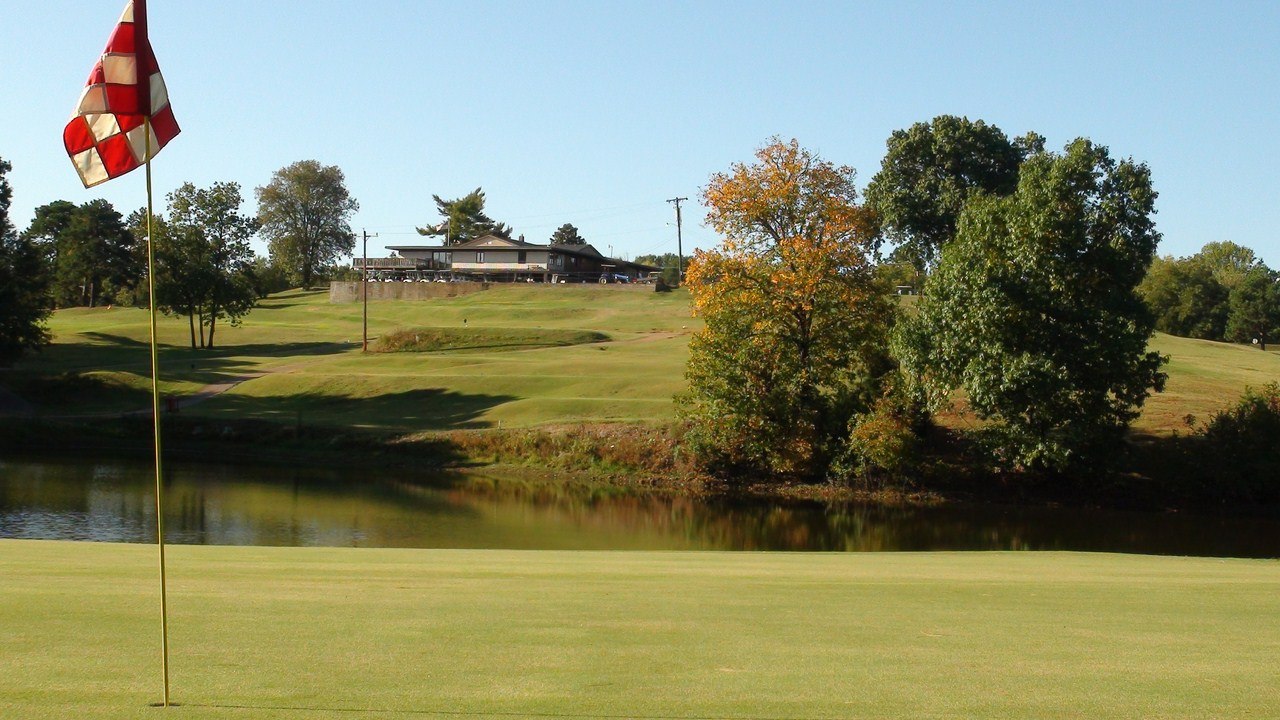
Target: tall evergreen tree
567, 234
92, 253
463, 219
24, 281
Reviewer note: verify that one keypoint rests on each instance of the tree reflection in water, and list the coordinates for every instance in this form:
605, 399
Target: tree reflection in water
317, 507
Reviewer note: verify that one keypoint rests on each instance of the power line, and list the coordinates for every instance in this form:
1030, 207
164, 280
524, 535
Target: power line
364, 284
594, 212
679, 237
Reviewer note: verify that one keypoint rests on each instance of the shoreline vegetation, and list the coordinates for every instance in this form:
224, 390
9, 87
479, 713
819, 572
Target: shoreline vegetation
579, 392
617, 458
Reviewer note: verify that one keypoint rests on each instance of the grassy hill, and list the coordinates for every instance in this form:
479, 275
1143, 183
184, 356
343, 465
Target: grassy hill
298, 357
301, 354
340, 632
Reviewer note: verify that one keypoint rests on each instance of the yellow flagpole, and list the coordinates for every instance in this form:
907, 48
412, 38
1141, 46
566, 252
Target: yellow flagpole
155, 415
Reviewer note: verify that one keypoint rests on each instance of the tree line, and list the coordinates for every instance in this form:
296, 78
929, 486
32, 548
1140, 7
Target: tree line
1223, 292
89, 255
1039, 289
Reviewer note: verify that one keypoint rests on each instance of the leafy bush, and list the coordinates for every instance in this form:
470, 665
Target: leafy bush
1240, 454
882, 447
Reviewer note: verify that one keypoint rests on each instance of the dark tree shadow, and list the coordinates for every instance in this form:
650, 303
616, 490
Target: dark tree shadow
421, 409
254, 349
65, 365
109, 339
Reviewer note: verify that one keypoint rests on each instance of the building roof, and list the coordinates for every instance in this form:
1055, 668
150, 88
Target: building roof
493, 242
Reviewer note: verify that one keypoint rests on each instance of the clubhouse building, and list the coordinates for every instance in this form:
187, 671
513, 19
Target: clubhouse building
497, 259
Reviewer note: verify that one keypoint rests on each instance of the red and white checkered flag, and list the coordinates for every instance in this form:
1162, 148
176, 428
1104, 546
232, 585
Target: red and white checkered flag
106, 136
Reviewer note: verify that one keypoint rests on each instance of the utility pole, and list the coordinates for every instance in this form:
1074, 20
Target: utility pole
679, 237
364, 281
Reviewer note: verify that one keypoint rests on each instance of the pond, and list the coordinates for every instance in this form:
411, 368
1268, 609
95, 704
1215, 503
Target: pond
236, 505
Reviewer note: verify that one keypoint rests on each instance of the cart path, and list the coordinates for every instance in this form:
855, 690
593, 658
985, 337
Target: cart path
217, 388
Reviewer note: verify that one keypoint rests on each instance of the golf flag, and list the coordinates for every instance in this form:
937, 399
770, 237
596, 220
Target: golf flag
107, 134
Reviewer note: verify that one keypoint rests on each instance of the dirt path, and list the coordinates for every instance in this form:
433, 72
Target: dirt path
213, 390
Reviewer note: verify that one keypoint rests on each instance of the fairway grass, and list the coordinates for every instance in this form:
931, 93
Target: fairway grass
1204, 377
297, 358
341, 633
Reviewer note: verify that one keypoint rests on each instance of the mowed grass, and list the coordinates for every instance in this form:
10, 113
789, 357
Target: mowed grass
1204, 377
303, 359
301, 356
324, 632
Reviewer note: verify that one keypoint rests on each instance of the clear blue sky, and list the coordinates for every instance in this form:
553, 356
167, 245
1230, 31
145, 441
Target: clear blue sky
594, 113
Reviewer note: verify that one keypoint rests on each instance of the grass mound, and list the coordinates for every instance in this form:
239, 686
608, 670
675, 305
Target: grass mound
438, 339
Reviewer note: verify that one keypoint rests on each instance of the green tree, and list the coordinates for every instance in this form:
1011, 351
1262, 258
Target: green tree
930, 170
567, 234
92, 255
1255, 307
1033, 312
795, 324
464, 220
305, 213
1227, 261
670, 264
1185, 298
206, 261
24, 284
661, 261
267, 277
48, 226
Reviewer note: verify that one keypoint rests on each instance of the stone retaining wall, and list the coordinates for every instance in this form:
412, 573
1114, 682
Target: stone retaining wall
349, 292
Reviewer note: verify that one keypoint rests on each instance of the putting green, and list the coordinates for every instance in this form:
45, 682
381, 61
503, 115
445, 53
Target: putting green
341, 633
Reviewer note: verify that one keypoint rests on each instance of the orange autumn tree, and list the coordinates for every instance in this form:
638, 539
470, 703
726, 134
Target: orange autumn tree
796, 325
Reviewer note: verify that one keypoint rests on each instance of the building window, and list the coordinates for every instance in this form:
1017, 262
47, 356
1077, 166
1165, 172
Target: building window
480, 256
521, 257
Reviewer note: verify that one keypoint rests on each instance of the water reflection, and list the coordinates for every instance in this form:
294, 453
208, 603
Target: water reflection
314, 507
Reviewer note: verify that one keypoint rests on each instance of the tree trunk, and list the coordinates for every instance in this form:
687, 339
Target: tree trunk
200, 315
213, 323
191, 320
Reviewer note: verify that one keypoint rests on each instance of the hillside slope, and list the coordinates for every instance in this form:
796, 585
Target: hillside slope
297, 357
